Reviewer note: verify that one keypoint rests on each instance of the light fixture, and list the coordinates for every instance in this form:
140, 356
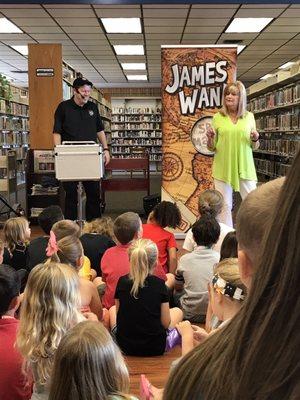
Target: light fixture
287, 65
21, 49
137, 77
266, 76
240, 48
122, 25
246, 25
8, 27
129, 49
133, 66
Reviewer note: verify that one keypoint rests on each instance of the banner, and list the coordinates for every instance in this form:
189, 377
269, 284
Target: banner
193, 79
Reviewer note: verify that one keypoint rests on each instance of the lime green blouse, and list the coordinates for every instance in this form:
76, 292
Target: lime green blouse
233, 158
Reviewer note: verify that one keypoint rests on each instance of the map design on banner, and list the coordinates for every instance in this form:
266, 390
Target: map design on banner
193, 80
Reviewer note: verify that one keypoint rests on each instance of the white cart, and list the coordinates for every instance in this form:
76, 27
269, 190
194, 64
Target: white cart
79, 161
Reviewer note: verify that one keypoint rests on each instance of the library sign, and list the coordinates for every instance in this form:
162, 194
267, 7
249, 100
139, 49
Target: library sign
193, 80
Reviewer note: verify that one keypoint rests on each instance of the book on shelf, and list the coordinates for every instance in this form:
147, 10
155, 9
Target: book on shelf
35, 211
38, 189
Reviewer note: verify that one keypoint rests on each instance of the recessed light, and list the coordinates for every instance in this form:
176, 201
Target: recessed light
137, 77
21, 49
240, 48
245, 25
133, 66
128, 49
266, 76
122, 25
287, 65
8, 27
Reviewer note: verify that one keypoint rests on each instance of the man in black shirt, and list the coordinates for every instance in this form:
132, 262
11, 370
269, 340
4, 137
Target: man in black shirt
78, 119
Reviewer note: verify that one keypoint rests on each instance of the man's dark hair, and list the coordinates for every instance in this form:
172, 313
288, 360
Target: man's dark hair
10, 285
167, 214
48, 217
126, 226
206, 231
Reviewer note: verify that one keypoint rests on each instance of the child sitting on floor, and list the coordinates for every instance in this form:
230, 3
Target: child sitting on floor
195, 270
210, 203
164, 214
13, 383
115, 261
95, 241
37, 247
141, 316
89, 344
69, 251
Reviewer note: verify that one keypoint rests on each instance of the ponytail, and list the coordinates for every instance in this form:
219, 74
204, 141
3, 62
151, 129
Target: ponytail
143, 258
66, 251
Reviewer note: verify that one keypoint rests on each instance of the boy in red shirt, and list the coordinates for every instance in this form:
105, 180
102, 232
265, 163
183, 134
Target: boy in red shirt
115, 261
13, 383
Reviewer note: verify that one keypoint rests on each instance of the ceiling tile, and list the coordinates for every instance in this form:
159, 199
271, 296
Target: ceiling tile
23, 22
212, 13
163, 22
165, 12
163, 29
203, 29
219, 22
78, 21
25, 13
234, 6
258, 13
71, 12
42, 29
291, 21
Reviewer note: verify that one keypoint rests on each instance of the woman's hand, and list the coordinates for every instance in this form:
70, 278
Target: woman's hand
254, 135
210, 133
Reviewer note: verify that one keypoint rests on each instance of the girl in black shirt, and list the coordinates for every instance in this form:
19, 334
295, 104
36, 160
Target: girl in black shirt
142, 313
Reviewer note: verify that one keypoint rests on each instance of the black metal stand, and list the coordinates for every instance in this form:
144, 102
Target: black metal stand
15, 210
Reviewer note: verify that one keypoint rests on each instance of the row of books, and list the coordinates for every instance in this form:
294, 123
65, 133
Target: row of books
137, 142
136, 118
38, 190
15, 138
133, 126
285, 147
286, 95
136, 134
271, 168
136, 110
14, 108
14, 123
283, 121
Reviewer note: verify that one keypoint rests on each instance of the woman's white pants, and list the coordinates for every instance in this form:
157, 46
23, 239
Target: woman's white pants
246, 187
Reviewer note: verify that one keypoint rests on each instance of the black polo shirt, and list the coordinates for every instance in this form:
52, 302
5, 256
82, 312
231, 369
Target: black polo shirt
76, 123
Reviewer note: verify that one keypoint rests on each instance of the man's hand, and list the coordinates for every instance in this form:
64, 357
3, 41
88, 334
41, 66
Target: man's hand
106, 157
210, 133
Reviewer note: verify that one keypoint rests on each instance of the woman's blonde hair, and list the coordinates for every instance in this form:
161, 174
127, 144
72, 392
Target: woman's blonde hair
65, 227
102, 226
143, 255
14, 232
48, 310
210, 202
228, 269
235, 87
69, 251
88, 365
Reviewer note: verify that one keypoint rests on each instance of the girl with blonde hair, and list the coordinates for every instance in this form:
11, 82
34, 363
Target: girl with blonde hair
211, 203
16, 233
233, 136
89, 344
141, 315
49, 309
69, 250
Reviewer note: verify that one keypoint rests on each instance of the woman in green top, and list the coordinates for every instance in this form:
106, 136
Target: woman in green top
233, 137
88, 365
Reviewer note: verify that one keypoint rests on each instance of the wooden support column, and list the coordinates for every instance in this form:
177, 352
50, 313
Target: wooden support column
45, 92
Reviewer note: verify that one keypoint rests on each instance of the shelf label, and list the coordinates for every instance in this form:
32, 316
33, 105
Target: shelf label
45, 72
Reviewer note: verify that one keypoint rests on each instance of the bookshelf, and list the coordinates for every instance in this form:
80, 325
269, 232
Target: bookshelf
277, 113
14, 140
136, 130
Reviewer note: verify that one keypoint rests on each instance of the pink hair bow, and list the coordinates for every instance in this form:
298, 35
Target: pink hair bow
52, 245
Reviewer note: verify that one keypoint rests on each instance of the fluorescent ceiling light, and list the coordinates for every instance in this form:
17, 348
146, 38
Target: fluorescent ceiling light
245, 25
266, 76
136, 77
129, 50
133, 66
21, 49
8, 27
122, 25
240, 48
287, 65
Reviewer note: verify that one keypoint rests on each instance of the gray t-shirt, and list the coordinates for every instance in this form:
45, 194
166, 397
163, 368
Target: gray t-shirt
195, 269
